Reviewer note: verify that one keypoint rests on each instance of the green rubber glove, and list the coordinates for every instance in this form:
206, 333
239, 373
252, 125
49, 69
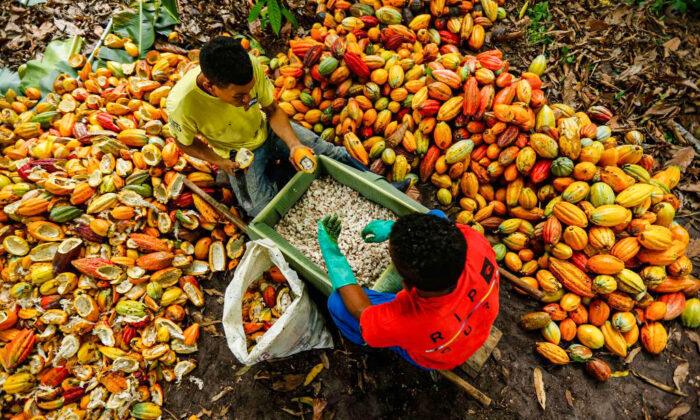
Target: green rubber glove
339, 270
377, 231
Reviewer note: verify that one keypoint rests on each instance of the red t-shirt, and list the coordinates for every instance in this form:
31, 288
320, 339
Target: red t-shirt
433, 330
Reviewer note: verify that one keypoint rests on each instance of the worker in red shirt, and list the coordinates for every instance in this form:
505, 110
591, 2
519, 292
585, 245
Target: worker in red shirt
450, 290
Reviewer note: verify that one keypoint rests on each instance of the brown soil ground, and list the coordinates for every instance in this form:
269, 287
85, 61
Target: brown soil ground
612, 65
367, 383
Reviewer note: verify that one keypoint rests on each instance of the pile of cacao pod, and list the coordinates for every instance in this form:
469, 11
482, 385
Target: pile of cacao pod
584, 221
263, 304
103, 250
580, 215
392, 93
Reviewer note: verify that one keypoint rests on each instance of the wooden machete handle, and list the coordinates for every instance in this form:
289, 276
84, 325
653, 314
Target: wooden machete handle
537, 294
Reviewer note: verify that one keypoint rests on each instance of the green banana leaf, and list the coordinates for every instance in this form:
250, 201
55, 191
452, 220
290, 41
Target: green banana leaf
41, 73
112, 54
140, 23
31, 2
167, 14
136, 25
8, 80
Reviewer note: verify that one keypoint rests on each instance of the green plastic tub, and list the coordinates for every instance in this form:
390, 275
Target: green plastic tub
371, 186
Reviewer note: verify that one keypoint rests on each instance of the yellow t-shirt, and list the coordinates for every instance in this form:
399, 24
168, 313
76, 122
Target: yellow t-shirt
225, 127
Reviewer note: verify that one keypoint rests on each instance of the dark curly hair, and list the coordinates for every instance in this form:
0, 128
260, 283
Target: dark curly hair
224, 62
428, 251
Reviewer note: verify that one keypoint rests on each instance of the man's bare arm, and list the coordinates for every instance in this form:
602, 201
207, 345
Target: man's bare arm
355, 299
279, 122
200, 150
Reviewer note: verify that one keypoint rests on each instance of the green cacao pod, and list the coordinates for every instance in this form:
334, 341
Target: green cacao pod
64, 214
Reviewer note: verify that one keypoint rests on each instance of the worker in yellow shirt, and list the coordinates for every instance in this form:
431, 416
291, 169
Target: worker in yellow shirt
229, 101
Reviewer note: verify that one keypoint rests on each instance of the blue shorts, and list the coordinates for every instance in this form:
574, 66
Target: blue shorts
350, 327
254, 187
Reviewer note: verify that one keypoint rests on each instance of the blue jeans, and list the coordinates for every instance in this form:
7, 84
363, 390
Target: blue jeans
254, 188
350, 327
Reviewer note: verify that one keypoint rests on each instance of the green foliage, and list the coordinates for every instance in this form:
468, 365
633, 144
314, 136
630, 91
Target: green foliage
31, 2
271, 15
669, 137
140, 23
114, 54
42, 73
8, 80
137, 25
565, 57
539, 18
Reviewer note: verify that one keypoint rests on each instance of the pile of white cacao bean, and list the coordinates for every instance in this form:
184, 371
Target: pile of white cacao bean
327, 196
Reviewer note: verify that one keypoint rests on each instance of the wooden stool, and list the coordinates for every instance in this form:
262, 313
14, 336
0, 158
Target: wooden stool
473, 366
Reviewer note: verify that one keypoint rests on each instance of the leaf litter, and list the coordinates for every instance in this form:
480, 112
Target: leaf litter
539, 387
680, 374
652, 95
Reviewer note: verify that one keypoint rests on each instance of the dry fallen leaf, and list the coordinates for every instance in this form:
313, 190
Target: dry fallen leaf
630, 357
680, 374
683, 158
325, 361
212, 292
223, 392
292, 412
690, 188
694, 337
319, 406
672, 44
660, 385
539, 387
679, 410
569, 89
213, 331
569, 398
662, 110
204, 412
288, 382
242, 371
693, 248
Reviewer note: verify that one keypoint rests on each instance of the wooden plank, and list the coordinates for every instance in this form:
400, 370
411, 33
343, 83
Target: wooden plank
473, 366
469, 388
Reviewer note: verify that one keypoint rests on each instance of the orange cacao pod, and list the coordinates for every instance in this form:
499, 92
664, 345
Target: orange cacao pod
553, 353
619, 301
571, 277
656, 311
567, 328
654, 337
605, 264
598, 312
